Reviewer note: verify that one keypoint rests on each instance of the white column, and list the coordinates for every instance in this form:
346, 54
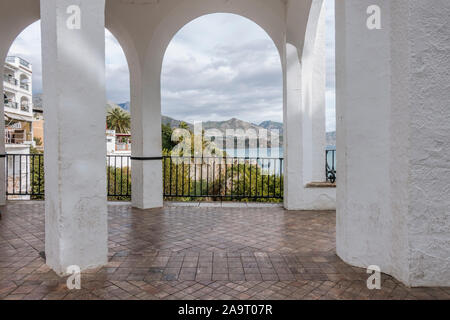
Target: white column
304, 114
75, 146
146, 170
2, 141
318, 107
293, 144
313, 96
393, 139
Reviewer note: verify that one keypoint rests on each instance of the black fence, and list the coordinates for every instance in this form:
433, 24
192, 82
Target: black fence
184, 178
330, 165
25, 176
118, 176
215, 178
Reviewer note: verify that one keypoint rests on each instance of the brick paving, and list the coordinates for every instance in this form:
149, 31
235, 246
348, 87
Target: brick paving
195, 253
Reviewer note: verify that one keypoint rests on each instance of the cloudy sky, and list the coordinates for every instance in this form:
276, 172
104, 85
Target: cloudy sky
217, 67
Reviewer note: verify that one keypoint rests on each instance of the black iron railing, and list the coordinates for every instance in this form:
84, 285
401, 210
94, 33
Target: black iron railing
330, 165
228, 178
186, 178
25, 176
118, 178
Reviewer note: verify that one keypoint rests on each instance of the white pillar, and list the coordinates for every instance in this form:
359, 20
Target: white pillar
304, 114
313, 95
293, 144
393, 139
146, 170
3, 177
75, 148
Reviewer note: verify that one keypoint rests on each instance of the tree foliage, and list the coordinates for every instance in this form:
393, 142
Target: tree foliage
118, 120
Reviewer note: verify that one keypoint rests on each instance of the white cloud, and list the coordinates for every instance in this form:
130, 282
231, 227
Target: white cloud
231, 70
217, 67
28, 46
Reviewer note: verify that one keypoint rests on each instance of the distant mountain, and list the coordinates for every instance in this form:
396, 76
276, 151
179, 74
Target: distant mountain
230, 124
331, 138
174, 123
125, 106
111, 105
272, 125
221, 125
37, 101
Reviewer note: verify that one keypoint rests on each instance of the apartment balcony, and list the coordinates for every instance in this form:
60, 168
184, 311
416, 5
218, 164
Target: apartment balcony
25, 86
10, 80
123, 147
19, 63
17, 137
12, 105
25, 108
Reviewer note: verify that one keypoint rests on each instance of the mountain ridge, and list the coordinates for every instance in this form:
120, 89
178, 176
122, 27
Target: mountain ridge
232, 123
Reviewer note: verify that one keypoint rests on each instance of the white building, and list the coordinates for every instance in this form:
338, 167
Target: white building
17, 94
118, 144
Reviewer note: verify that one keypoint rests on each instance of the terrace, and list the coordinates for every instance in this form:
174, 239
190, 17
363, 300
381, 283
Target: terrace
195, 253
391, 198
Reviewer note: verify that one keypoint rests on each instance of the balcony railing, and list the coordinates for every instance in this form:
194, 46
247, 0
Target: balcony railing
25, 86
25, 107
123, 146
24, 63
12, 105
330, 165
184, 178
13, 59
10, 80
230, 178
14, 137
25, 176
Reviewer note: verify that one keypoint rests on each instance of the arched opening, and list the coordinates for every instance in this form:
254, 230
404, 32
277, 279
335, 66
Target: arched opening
25, 114
226, 94
25, 81
330, 97
25, 104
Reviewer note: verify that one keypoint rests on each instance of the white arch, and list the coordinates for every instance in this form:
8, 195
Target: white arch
259, 12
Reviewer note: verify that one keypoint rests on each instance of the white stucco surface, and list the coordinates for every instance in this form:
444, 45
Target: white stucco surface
304, 115
392, 120
75, 150
393, 139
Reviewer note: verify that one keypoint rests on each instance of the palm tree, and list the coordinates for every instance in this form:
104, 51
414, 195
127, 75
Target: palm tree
119, 120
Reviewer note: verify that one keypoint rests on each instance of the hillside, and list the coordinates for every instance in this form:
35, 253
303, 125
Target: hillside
272, 125
221, 125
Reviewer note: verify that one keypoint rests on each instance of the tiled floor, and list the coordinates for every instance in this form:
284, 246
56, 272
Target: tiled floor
196, 253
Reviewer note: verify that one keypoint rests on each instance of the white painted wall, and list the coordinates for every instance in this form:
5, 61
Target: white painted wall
392, 122
304, 113
429, 141
2, 141
75, 169
393, 139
